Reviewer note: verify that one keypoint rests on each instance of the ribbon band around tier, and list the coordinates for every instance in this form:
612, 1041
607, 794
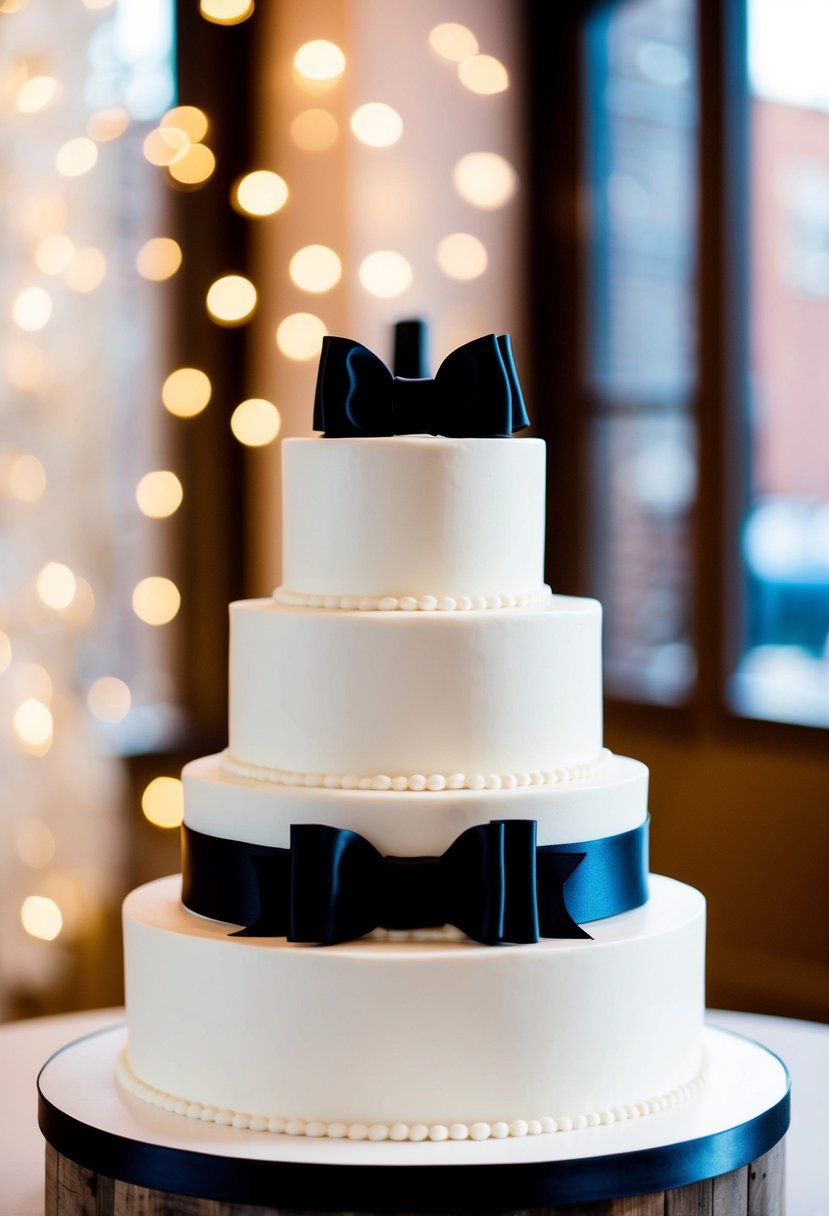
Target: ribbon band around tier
494, 883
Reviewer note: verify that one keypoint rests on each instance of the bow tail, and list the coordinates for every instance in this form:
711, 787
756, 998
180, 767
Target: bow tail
553, 871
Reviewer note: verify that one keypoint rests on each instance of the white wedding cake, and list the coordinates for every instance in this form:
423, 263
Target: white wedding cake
416, 901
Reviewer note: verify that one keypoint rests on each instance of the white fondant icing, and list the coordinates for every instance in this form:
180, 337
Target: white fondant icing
377, 1132
501, 692
427, 1033
410, 603
413, 516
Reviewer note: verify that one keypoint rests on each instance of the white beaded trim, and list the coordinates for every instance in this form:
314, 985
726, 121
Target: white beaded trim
417, 781
398, 1131
411, 603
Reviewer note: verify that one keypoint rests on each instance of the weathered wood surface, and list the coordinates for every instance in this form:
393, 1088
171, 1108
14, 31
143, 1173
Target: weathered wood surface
756, 1190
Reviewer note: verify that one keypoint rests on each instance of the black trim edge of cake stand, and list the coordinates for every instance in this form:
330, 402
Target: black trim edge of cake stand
418, 1188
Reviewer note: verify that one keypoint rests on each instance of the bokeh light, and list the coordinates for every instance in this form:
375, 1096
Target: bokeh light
314, 130
194, 167
25, 365
485, 179
255, 422
76, 157
156, 600
82, 606
86, 271
26, 478
163, 802
462, 256
376, 124
108, 124
189, 119
315, 268
226, 12
453, 41
5, 651
36, 94
385, 273
165, 145
33, 726
319, 61
32, 308
483, 74
299, 335
34, 843
231, 299
158, 259
159, 494
41, 917
56, 585
54, 253
259, 193
109, 699
186, 391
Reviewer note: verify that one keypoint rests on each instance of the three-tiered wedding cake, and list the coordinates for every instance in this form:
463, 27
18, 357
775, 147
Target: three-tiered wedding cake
416, 779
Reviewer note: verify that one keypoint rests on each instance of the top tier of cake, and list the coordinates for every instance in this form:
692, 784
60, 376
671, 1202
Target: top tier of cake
413, 517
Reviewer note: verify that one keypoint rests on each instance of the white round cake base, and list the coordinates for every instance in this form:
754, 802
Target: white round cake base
741, 1113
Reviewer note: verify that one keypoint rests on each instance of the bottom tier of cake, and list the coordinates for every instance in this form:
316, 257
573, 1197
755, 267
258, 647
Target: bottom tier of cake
400, 1038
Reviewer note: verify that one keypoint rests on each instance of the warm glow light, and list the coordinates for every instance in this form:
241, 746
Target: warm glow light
41, 917
104, 125
315, 268
485, 179
385, 273
158, 259
25, 366
259, 193
5, 651
54, 253
156, 600
186, 392
26, 478
483, 74
96, 4
86, 271
159, 494
189, 119
165, 145
231, 299
255, 422
453, 41
56, 585
226, 12
12, 6
377, 124
109, 699
195, 167
32, 308
34, 844
462, 256
163, 802
36, 94
32, 680
76, 156
299, 336
33, 726
42, 214
82, 606
314, 130
320, 60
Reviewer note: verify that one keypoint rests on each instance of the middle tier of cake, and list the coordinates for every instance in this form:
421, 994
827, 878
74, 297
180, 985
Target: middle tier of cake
444, 696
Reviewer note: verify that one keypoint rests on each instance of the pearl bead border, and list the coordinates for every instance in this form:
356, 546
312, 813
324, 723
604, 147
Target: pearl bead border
418, 782
318, 1129
411, 603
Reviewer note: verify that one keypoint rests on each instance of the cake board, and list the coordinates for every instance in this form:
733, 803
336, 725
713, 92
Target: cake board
720, 1154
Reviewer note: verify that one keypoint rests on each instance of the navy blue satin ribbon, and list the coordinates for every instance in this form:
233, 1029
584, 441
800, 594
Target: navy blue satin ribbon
493, 882
475, 393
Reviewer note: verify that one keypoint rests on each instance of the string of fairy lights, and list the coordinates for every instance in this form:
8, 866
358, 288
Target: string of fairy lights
179, 147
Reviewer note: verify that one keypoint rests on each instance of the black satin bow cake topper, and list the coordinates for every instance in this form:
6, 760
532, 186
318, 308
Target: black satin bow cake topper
492, 883
475, 393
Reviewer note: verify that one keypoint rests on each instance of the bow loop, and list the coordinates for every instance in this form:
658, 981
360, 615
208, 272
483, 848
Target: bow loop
475, 393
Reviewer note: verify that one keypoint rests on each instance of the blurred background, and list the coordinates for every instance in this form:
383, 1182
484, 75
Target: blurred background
192, 195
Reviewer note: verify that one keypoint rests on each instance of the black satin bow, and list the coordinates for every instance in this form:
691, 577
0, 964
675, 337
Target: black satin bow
492, 883
475, 393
